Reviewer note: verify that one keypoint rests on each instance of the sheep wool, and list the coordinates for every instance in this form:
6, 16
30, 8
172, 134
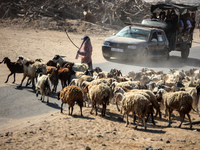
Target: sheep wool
70, 95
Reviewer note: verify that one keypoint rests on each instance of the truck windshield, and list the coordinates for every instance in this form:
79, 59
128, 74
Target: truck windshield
132, 32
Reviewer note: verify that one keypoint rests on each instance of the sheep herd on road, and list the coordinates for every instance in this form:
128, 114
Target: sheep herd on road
140, 93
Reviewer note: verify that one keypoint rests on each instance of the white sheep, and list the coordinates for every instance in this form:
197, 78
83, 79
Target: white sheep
43, 83
128, 84
30, 69
194, 92
71, 95
137, 104
99, 94
180, 101
147, 93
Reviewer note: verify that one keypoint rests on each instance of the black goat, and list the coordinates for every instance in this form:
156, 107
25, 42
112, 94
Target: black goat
14, 67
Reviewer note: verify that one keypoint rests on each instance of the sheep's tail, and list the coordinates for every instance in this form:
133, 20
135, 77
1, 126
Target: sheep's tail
46, 83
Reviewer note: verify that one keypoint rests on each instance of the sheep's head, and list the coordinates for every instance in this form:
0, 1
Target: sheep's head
113, 84
118, 73
97, 69
159, 94
5, 60
38, 59
101, 75
84, 84
38, 70
57, 58
20, 60
119, 90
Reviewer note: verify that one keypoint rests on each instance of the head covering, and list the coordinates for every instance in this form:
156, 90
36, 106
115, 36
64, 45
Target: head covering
84, 38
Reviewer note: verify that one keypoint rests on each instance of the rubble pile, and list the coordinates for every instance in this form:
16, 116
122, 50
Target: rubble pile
55, 14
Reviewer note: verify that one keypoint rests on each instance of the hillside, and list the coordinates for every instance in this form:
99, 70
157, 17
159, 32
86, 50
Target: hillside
95, 16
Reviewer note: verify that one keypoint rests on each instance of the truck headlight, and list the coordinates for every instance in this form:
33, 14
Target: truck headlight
106, 43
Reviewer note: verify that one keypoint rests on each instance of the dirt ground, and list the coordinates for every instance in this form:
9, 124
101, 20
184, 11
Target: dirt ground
61, 131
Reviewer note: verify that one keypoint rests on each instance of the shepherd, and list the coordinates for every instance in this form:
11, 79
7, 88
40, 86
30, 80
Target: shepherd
85, 52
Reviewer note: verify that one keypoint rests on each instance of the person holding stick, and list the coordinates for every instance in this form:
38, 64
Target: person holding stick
85, 52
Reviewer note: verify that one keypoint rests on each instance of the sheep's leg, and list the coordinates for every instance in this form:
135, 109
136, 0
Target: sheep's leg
41, 98
145, 127
61, 108
81, 111
158, 112
28, 82
22, 81
14, 78
89, 101
183, 117
170, 121
95, 106
121, 110
69, 111
189, 120
104, 110
117, 106
127, 122
72, 110
33, 83
139, 119
134, 118
147, 117
37, 91
8, 77
48, 96
166, 112
152, 119
92, 108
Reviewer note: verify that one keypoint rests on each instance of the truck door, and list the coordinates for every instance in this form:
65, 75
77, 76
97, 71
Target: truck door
161, 46
152, 44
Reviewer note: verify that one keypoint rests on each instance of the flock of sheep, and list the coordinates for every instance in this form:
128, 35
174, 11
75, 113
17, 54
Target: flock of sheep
140, 93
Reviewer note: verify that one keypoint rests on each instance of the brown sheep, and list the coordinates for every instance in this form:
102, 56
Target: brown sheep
53, 75
71, 95
51, 63
64, 74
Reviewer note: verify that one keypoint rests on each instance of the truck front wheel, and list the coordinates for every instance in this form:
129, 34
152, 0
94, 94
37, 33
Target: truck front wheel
185, 52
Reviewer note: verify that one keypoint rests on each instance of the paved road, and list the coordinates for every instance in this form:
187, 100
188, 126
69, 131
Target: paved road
20, 103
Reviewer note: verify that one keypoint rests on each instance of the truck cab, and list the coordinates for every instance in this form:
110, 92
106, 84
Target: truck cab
173, 19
